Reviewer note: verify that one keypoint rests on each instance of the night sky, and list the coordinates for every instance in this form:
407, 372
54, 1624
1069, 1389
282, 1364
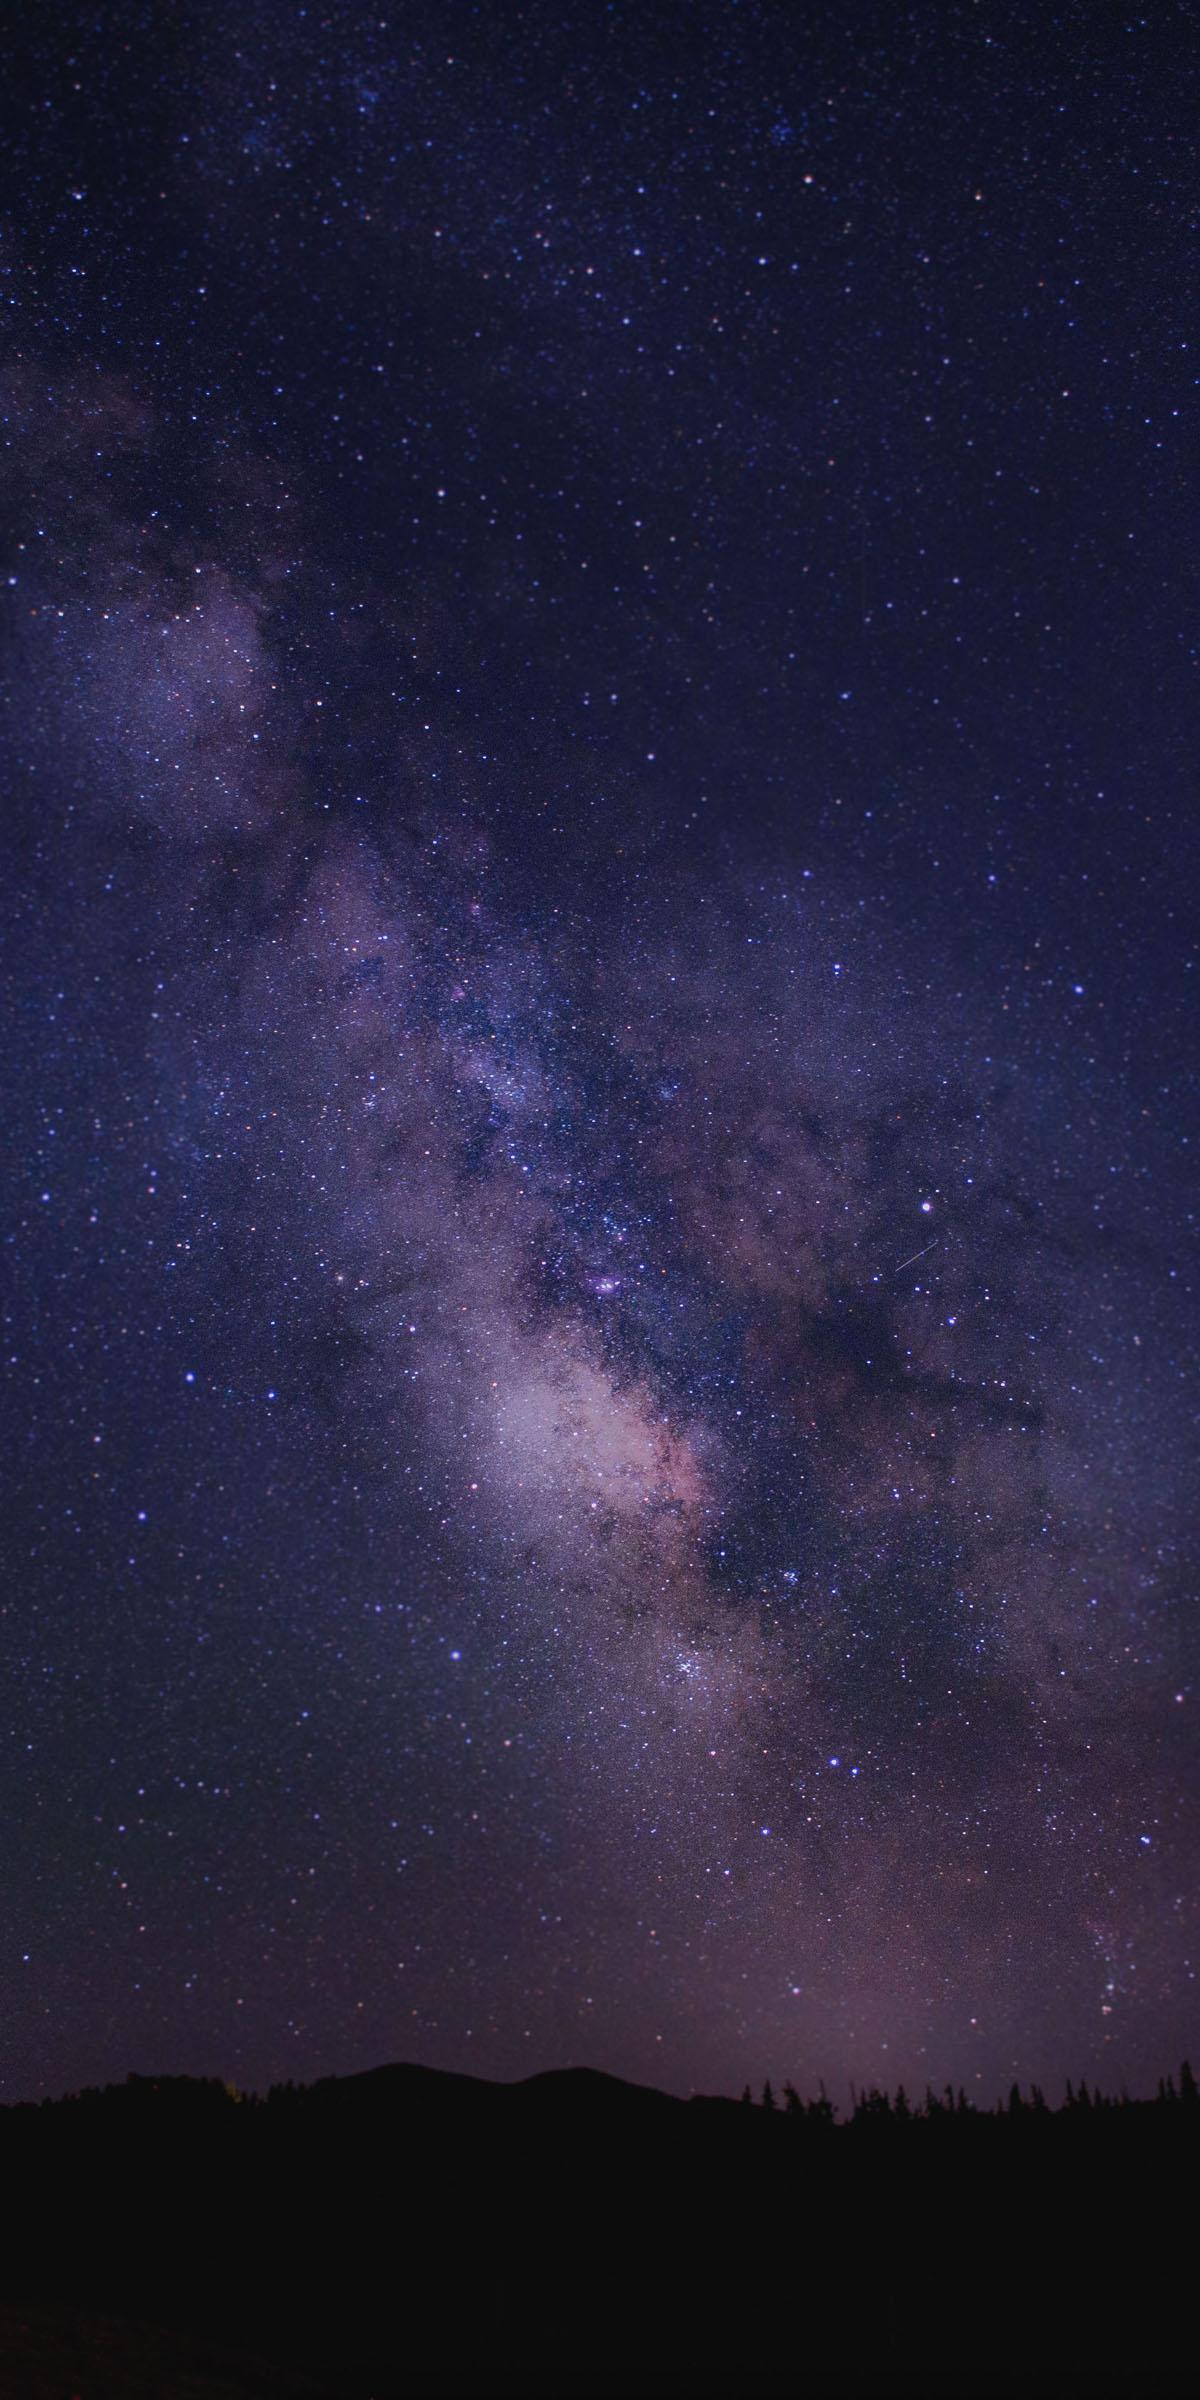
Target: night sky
601, 1116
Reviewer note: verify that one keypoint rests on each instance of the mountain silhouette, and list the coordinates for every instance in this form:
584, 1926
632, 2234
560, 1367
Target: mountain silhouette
409, 2231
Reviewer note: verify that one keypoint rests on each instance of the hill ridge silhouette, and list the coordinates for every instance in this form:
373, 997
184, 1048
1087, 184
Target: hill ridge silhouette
594, 2084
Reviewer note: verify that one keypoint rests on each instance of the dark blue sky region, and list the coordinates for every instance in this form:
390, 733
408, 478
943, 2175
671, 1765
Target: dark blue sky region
600, 943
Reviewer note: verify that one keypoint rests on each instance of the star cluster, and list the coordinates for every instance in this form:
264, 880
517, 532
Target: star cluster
600, 937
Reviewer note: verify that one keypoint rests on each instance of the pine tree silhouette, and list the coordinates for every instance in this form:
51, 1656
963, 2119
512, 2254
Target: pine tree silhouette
822, 2111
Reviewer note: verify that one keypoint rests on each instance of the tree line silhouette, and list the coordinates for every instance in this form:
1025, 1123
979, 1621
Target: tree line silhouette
869, 2106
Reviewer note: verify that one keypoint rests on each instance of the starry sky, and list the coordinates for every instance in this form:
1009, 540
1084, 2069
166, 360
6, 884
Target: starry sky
600, 1088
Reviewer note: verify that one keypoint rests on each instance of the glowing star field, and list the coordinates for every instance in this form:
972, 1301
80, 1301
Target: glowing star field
600, 936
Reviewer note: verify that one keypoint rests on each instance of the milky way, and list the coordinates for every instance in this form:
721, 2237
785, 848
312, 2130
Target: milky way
599, 934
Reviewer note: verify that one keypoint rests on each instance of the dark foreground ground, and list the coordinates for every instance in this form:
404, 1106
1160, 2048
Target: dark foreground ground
405, 2233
